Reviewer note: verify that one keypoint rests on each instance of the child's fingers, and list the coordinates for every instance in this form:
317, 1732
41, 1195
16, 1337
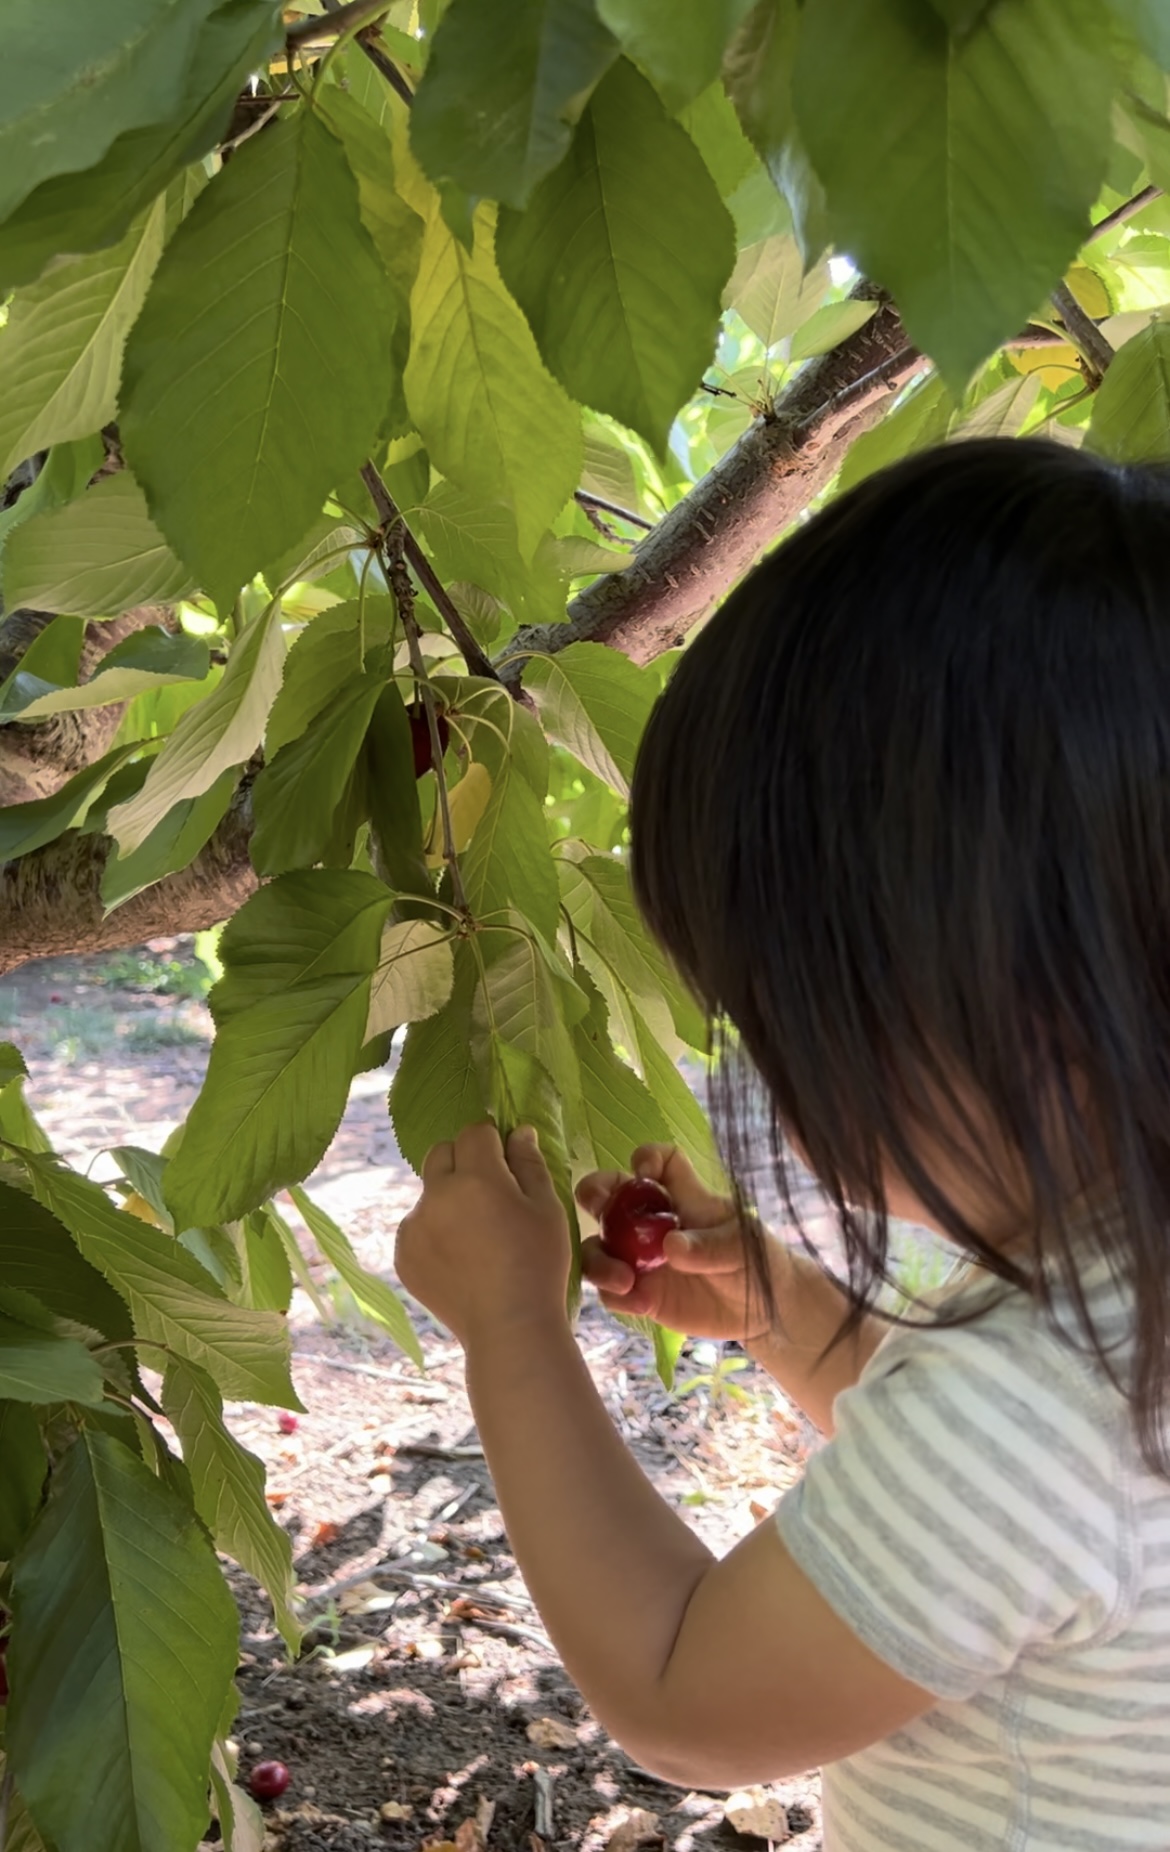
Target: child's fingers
595, 1190
698, 1207
706, 1250
610, 1275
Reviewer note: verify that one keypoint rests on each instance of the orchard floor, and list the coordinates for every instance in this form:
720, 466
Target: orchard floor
427, 1705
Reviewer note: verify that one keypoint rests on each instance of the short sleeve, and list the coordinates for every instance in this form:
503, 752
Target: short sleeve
966, 1510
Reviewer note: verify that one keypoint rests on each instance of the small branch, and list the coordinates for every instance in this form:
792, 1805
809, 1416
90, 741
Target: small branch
1083, 333
398, 578
1126, 210
338, 19
368, 40
390, 515
588, 500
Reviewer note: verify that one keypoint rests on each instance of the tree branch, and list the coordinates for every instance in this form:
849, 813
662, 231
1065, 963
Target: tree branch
368, 40
1126, 210
50, 901
390, 516
338, 19
709, 539
1083, 334
588, 500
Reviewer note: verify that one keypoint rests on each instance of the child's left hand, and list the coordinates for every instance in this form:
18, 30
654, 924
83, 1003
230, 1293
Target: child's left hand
486, 1246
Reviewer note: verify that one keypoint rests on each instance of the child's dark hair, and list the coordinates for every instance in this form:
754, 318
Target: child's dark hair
902, 817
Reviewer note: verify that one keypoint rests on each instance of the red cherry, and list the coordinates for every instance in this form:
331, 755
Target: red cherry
636, 1221
420, 737
287, 1422
268, 1780
56, 997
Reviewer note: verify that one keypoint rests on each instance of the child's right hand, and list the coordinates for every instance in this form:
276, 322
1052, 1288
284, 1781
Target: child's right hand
707, 1288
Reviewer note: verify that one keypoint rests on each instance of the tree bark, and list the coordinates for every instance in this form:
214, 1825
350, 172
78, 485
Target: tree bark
50, 901
706, 543
38, 758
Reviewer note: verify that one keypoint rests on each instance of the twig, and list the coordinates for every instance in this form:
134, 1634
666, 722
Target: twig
429, 1452
398, 578
338, 19
390, 514
368, 40
542, 1781
411, 1578
1083, 333
1125, 211
588, 500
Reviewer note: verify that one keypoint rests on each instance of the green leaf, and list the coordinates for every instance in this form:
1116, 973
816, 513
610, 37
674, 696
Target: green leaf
377, 1300
256, 271
490, 416
148, 658
414, 976
1149, 21
12, 1063
38, 1256
67, 469
621, 258
228, 1486
25, 827
51, 658
504, 85
608, 470
23, 1467
1131, 408
172, 1298
124, 1641
38, 1364
713, 126
922, 418
327, 654
96, 556
619, 1110
758, 75
595, 702
475, 541
77, 212
508, 863
436, 1090
772, 291
265, 1275
679, 44
221, 731
65, 96
291, 1013
172, 844
297, 794
392, 794
959, 15
991, 149
596, 890
829, 326
686, 1123
392, 223
61, 351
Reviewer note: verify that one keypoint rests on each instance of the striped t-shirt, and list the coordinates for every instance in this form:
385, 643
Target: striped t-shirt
983, 1521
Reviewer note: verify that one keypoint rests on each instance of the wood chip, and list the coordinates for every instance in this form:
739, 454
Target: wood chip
552, 1733
394, 1810
755, 1812
632, 1826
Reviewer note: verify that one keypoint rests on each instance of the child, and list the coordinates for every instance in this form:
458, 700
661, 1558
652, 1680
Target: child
902, 817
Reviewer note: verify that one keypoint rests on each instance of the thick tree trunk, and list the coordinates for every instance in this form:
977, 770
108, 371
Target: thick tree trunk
50, 901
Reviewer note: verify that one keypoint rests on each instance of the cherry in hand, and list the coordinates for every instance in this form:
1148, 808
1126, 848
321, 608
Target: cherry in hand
636, 1221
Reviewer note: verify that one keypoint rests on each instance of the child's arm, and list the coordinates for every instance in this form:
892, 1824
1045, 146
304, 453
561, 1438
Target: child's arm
707, 1290
710, 1672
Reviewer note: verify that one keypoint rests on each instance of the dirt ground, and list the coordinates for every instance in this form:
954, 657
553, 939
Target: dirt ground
427, 1706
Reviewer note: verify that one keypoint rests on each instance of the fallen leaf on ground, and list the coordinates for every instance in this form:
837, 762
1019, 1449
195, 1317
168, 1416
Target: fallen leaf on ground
756, 1813
327, 1532
357, 1600
551, 1733
758, 1511
276, 1499
395, 1810
632, 1826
